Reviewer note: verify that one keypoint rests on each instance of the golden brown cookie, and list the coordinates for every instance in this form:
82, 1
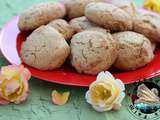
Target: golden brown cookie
45, 49
93, 52
108, 16
130, 8
82, 23
63, 27
75, 8
134, 50
148, 25
40, 14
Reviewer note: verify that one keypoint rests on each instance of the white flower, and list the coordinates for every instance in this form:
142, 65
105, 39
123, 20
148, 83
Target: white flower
106, 93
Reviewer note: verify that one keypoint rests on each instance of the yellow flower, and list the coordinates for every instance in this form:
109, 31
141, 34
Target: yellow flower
153, 5
106, 93
14, 84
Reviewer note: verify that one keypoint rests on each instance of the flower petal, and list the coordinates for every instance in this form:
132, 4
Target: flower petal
26, 73
21, 99
116, 106
10, 71
3, 101
121, 84
101, 76
109, 75
88, 97
22, 93
11, 86
121, 97
60, 99
102, 109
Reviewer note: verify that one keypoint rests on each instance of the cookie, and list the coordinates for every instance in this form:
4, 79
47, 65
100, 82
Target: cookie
135, 50
93, 52
63, 27
75, 8
128, 7
40, 14
99, 29
149, 25
45, 49
108, 16
82, 23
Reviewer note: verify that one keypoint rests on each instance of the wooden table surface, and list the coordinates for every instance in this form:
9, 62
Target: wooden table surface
39, 106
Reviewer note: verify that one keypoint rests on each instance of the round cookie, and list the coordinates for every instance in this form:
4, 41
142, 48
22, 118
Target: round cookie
63, 27
148, 25
128, 7
82, 23
108, 16
134, 50
75, 8
40, 14
45, 49
93, 52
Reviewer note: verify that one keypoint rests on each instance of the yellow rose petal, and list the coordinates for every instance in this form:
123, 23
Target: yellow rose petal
9, 89
60, 99
100, 92
10, 72
10, 86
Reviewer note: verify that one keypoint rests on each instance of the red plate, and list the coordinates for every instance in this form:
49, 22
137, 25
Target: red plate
10, 42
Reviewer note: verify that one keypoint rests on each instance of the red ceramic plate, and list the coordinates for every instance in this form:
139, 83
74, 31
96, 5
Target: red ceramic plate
10, 42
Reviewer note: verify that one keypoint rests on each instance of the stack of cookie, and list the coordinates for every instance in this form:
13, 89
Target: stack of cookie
93, 34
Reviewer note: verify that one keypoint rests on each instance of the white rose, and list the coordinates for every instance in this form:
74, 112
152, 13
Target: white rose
106, 93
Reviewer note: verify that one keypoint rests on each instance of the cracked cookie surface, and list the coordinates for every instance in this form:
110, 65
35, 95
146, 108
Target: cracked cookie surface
40, 14
82, 23
75, 8
148, 25
45, 49
127, 6
63, 27
92, 51
108, 16
135, 50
